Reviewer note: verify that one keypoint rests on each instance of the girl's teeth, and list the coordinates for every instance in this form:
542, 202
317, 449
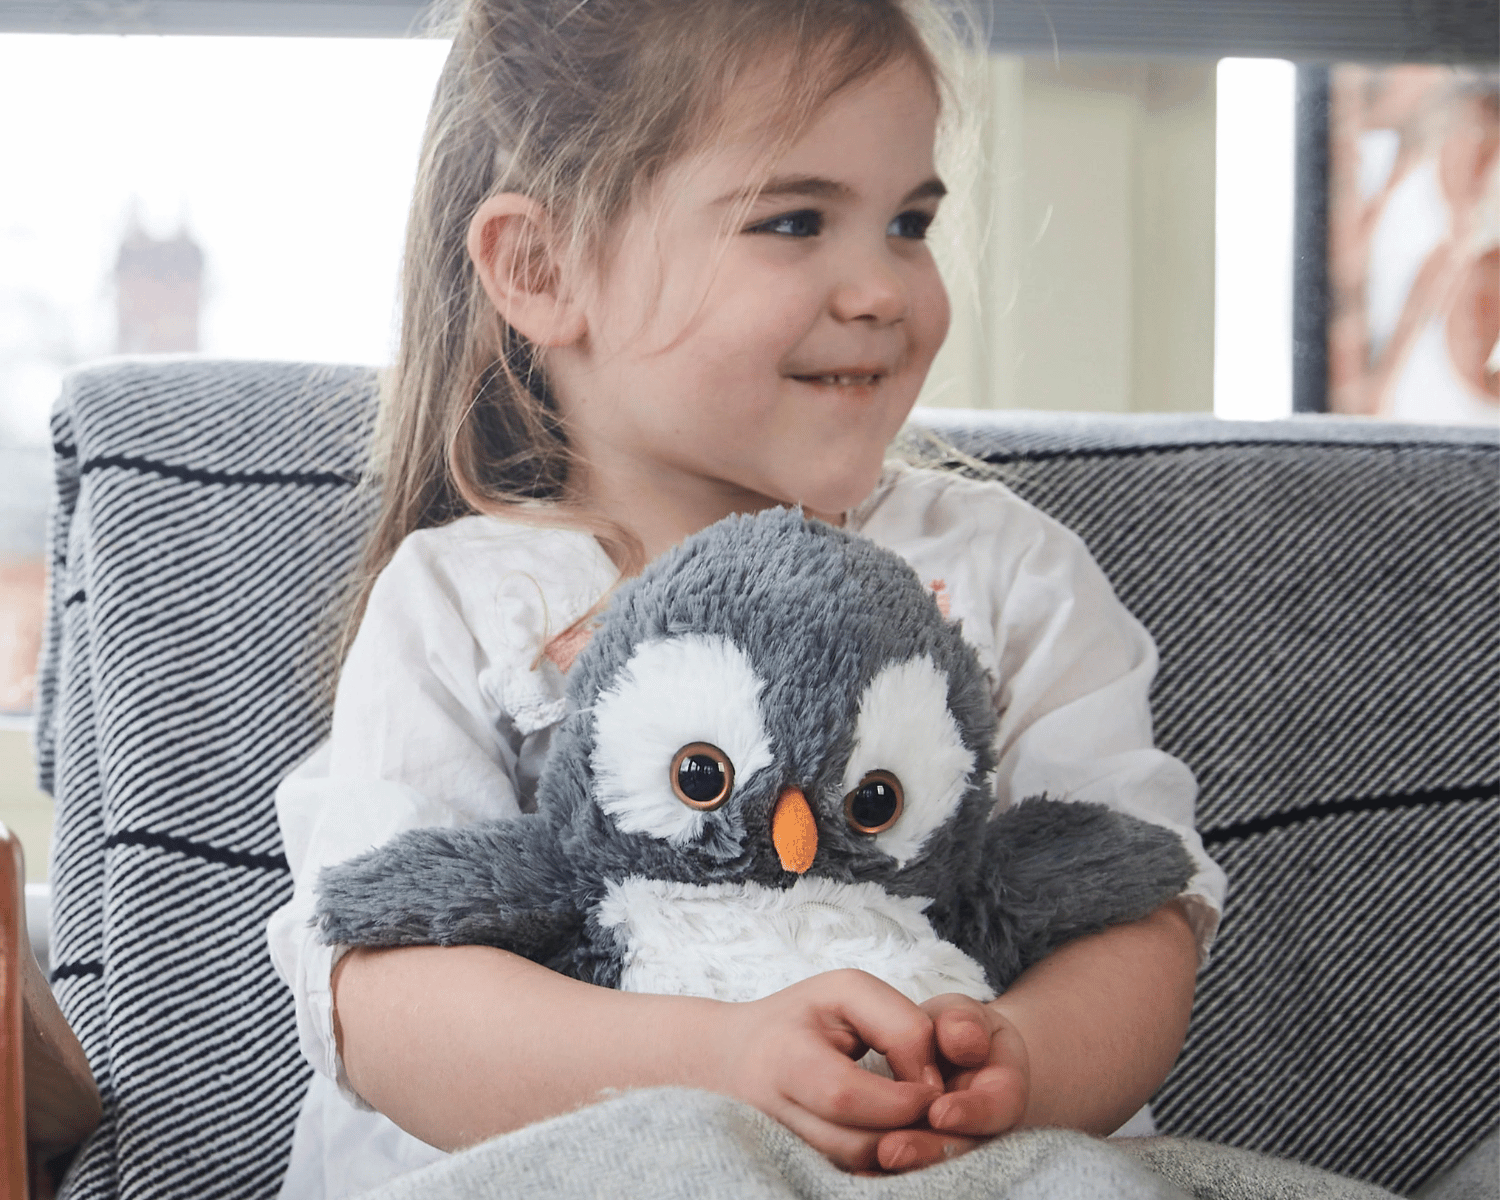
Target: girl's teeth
845, 380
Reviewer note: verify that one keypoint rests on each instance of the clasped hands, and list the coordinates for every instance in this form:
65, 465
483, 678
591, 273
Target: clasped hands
962, 1073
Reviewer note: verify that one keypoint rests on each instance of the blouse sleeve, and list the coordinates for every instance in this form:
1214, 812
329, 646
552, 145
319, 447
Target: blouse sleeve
1071, 667
433, 700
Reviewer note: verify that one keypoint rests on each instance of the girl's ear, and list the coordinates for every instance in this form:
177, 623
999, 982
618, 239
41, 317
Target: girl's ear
510, 246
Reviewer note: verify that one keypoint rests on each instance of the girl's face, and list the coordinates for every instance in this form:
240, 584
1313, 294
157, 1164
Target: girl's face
775, 365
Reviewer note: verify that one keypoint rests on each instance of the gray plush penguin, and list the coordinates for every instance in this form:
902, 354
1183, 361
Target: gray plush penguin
777, 761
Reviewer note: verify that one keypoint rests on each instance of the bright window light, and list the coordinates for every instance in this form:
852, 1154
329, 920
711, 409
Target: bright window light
288, 161
1255, 153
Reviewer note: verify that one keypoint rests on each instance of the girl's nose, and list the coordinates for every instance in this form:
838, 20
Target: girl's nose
874, 291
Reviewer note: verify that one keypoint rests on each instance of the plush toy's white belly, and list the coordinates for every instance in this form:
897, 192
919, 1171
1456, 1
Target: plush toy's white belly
745, 941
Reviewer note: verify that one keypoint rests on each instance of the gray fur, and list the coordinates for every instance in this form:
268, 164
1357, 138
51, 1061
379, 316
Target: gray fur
818, 612
1056, 870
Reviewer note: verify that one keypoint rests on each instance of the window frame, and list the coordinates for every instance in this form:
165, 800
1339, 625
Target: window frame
1457, 31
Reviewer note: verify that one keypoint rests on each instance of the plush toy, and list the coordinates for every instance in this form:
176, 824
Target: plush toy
777, 761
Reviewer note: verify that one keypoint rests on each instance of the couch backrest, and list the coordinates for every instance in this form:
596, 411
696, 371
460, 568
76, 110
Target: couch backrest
1323, 594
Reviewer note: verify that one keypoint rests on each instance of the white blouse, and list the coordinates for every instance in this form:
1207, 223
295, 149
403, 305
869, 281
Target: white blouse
446, 704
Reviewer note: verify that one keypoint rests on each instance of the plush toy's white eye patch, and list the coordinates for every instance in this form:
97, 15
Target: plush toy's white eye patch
905, 727
672, 693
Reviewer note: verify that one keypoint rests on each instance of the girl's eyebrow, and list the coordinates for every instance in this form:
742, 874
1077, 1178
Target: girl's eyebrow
817, 187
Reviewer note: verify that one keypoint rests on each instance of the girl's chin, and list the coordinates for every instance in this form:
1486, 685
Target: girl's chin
834, 498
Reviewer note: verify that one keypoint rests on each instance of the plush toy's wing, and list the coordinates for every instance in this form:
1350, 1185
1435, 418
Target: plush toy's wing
1056, 870
503, 883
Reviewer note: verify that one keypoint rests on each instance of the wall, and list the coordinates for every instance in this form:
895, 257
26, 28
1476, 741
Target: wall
24, 810
1082, 271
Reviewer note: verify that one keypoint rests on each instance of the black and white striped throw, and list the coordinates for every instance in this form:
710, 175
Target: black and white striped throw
203, 520
1322, 594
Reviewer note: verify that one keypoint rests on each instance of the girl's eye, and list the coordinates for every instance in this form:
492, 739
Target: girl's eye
875, 805
806, 223
910, 225
702, 775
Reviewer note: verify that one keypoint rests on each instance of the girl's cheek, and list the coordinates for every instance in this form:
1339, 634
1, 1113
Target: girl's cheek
937, 312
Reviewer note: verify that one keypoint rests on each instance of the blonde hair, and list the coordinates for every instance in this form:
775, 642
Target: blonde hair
579, 105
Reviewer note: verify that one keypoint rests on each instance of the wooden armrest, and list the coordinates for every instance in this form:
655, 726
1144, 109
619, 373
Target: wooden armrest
48, 1099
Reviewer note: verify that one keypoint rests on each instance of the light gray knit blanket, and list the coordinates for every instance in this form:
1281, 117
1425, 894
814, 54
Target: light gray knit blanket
678, 1144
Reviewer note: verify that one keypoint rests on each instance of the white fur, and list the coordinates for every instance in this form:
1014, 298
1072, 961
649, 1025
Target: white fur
905, 728
744, 941
693, 688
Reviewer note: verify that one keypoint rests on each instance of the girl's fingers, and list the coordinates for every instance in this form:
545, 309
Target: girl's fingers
851, 1149
914, 1063
886, 1021
988, 1102
841, 1091
962, 1028
988, 1067
910, 1149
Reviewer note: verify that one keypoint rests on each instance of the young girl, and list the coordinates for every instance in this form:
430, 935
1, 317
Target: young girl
666, 263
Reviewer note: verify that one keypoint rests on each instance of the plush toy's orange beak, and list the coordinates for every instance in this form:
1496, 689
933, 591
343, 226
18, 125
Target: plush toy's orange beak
794, 833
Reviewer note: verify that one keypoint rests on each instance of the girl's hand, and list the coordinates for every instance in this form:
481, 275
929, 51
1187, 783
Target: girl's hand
794, 1055
987, 1070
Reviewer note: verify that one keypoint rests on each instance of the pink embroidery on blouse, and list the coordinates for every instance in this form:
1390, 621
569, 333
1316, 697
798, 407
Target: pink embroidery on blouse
940, 594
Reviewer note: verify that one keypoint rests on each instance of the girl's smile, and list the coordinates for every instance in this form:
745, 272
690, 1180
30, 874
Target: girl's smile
718, 371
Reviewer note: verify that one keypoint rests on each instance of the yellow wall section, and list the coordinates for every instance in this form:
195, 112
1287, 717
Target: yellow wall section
24, 810
1082, 272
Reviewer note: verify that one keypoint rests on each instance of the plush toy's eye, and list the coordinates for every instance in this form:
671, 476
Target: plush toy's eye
702, 775
875, 804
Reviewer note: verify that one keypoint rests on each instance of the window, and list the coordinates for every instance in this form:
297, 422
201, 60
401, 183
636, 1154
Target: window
234, 196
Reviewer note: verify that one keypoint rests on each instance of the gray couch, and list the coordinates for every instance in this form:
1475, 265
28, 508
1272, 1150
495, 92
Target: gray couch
1323, 593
